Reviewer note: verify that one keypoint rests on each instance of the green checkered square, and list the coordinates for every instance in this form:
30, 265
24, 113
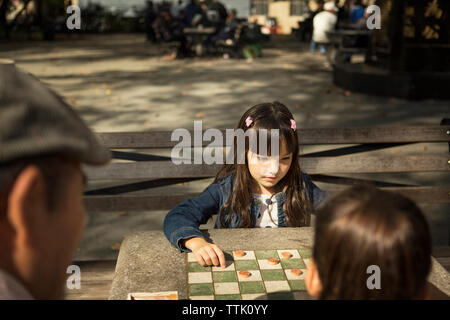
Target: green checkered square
196, 267
226, 276
305, 253
297, 285
293, 263
201, 289
246, 265
252, 287
228, 297
273, 275
266, 254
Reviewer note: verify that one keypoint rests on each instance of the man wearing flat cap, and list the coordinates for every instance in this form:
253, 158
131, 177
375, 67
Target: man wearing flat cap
42, 146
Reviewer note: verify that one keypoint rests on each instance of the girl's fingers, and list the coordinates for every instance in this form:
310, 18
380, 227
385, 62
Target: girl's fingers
200, 259
210, 255
221, 256
206, 256
213, 256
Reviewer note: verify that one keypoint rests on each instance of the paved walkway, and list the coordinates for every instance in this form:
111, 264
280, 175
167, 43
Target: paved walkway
121, 83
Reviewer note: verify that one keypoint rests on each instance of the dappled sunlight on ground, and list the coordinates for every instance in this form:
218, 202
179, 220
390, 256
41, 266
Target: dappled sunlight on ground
121, 83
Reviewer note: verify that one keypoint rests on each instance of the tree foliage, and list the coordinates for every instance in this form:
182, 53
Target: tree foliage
43, 9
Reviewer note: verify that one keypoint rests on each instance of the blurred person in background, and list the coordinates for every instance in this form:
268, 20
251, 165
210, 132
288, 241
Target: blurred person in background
323, 23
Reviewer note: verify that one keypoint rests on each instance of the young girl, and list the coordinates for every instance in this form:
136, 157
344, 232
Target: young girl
363, 231
263, 192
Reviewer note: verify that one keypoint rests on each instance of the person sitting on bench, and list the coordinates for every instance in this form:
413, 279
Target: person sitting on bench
230, 28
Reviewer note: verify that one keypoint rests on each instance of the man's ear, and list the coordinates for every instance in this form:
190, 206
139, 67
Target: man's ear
312, 280
27, 205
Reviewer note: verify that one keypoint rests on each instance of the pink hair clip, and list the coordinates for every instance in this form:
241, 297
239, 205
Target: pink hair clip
293, 125
248, 121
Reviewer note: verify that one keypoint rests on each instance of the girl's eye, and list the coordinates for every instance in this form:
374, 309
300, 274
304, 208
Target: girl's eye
265, 158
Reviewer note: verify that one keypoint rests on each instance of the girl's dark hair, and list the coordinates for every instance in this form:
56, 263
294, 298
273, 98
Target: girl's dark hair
365, 226
297, 208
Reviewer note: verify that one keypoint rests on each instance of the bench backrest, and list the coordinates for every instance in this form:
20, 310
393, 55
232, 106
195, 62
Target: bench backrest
319, 165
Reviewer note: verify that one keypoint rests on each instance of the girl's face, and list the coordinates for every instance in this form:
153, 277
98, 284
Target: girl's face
268, 171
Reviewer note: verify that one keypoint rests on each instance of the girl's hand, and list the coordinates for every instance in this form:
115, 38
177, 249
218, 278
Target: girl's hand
206, 253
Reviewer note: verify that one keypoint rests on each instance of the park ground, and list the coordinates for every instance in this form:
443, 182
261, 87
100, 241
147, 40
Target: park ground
120, 83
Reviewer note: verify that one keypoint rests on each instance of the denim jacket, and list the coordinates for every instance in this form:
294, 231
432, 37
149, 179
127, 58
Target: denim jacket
183, 221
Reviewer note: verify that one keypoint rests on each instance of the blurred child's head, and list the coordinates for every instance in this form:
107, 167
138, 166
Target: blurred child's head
364, 226
268, 171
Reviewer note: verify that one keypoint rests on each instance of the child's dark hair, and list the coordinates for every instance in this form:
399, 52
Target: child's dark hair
365, 226
297, 208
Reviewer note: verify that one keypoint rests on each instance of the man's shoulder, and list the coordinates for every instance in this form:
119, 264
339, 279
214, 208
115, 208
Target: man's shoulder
11, 289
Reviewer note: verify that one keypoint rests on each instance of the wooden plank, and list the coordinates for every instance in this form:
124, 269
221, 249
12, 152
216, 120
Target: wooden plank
441, 251
96, 265
149, 170
428, 194
307, 136
96, 270
134, 203
322, 165
435, 194
445, 262
358, 135
96, 280
90, 291
376, 164
350, 181
137, 186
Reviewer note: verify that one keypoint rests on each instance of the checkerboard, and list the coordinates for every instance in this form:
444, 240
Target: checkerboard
266, 281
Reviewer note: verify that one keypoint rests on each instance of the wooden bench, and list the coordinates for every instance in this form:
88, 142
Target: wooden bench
198, 37
344, 43
323, 166
241, 41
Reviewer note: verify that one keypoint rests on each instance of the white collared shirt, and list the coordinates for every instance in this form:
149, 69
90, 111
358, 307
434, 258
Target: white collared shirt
264, 217
323, 22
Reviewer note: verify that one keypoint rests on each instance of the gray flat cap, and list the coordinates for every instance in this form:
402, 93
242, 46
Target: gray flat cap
35, 121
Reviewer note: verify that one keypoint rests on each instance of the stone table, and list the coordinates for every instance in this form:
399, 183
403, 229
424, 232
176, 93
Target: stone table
148, 263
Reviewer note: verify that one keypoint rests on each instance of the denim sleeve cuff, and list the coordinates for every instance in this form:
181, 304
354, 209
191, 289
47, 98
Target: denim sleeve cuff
184, 233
